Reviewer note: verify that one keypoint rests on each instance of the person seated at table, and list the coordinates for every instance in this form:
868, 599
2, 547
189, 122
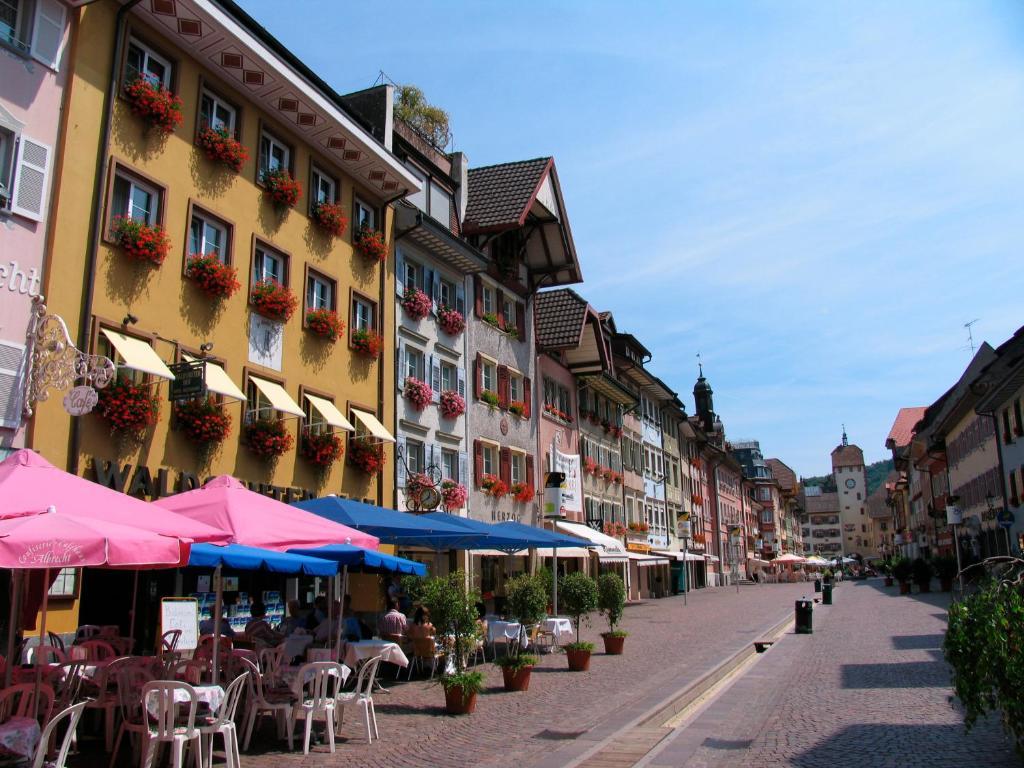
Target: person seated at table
327, 630
393, 623
206, 627
397, 592
318, 614
294, 620
421, 626
259, 631
352, 627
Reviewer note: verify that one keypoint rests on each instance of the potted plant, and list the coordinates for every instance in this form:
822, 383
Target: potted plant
577, 595
922, 571
154, 103
902, 571
280, 187
370, 244
451, 404
128, 408
522, 492
220, 146
945, 570
527, 602
494, 486
491, 319
886, 568
203, 421
273, 300
451, 320
366, 456
212, 276
141, 241
491, 398
416, 303
325, 323
611, 602
366, 342
267, 438
452, 609
417, 392
453, 495
328, 217
322, 450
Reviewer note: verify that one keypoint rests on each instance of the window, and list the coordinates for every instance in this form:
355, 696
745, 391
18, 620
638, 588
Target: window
315, 423
207, 237
269, 265
134, 198
15, 23
216, 113
142, 61
8, 139
362, 314
365, 216
450, 465
322, 187
319, 291
488, 300
259, 406
489, 375
413, 274
508, 312
440, 204
415, 365
515, 387
274, 154
419, 199
490, 454
66, 583
518, 467
449, 377
414, 456
106, 349
447, 294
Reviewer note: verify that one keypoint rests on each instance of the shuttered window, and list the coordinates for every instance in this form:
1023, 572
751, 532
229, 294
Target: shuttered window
12, 357
31, 167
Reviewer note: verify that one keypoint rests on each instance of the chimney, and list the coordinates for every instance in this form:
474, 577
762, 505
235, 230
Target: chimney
460, 174
375, 109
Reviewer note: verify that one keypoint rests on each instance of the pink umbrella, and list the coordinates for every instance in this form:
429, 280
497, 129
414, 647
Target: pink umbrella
28, 481
260, 521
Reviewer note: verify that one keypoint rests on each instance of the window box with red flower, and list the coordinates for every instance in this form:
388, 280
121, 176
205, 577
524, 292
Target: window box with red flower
517, 407
451, 320
494, 486
329, 218
366, 342
322, 450
698, 499
417, 392
608, 474
280, 187
128, 408
453, 495
490, 398
452, 404
555, 413
220, 146
141, 241
639, 527
153, 103
267, 438
213, 277
203, 421
370, 245
366, 456
590, 465
521, 492
617, 530
273, 300
325, 323
416, 303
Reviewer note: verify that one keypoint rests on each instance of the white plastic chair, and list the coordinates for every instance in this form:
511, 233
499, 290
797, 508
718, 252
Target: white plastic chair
25, 700
47, 654
162, 723
271, 661
319, 683
362, 696
262, 701
224, 725
72, 715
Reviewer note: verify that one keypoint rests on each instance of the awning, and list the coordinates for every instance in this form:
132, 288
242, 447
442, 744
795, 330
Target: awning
564, 552
611, 557
138, 355
241, 558
550, 538
280, 400
757, 561
609, 543
360, 559
330, 413
374, 427
687, 556
392, 526
497, 538
645, 561
711, 558
218, 381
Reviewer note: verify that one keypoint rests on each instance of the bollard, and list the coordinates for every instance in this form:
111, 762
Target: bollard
804, 616
817, 585
826, 593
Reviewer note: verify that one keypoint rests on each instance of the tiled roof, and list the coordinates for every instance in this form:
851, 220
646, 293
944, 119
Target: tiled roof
847, 456
903, 428
781, 472
559, 316
826, 502
499, 194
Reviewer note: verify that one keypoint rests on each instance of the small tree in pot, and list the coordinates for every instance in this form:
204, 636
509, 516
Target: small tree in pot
611, 602
902, 570
945, 569
577, 594
453, 611
886, 568
527, 602
922, 571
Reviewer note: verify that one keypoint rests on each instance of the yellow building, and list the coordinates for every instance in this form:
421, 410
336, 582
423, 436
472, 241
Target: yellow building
231, 76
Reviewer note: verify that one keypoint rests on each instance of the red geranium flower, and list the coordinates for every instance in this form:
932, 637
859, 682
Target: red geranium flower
214, 278
154, 104
273, 300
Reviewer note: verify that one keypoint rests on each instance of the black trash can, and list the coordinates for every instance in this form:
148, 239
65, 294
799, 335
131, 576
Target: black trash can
804, 616
817, 585
826, 593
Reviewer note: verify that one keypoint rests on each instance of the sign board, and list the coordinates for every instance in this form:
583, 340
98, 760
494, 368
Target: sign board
1005, 518
266, 340
81, 400
189, 380
572, 486
684, 529
954, 516
181, 613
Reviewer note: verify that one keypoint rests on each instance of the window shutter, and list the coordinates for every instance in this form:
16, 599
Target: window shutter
400, 365
400, 464
461, 374
527, 397
460, 299
48, 33
435, 377
12, 361
521, 320
502, 386
529, 471
478, 377
505, 465
463, 469
435, 289
478, 296
399, 272
499, 305
478, 461
30, 171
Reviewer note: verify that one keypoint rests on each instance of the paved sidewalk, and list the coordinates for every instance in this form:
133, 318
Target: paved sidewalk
868, 688
563, 714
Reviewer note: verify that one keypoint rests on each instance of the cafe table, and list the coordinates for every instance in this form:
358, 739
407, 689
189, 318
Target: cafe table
19, 737
358, 651
559, 627
208, 697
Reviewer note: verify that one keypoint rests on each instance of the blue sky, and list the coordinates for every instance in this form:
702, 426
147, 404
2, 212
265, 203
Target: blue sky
815, 196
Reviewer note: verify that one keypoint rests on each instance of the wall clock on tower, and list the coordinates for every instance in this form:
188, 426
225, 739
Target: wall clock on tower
850, 482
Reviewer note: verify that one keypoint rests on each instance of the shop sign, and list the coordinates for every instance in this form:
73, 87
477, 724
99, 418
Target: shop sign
1005, 518
189, 380
81, 400
633, 546
954, 515
572, 486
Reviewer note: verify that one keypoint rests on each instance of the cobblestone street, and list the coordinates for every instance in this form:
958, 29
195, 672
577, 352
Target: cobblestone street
868, 688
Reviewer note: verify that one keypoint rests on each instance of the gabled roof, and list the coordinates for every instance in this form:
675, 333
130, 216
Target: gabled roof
902, 431
559, 316
781, 472
959, 395
1004, 377
847, 456
500, 195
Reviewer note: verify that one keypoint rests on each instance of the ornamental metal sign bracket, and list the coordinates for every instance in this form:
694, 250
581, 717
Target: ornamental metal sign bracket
422, 489
55, 362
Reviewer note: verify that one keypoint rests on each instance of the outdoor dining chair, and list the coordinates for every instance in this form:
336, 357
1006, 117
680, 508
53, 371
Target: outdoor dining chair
362, 697
271, 660
130, 680
224, 725
106, 700
262, 700
47, 654
541, 638
425, 651
22, 700
169, 640
93, 650
66, 717
56, 641
320, 685
164, 722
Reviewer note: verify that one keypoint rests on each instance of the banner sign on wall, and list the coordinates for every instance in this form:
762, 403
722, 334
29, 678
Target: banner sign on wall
572, 488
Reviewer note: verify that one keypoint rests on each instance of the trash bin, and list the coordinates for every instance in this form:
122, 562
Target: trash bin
817, 585
804, 616
826, 593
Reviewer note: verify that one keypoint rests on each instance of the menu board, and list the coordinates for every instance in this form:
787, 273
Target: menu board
181, 613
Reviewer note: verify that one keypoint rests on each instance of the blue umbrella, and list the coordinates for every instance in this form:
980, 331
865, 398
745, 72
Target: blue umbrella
242, 558
540, 537
497, 537
357, 558
392, 526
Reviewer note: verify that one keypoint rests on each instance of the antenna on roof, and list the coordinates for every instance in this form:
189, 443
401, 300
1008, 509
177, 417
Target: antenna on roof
700, 365
970, 334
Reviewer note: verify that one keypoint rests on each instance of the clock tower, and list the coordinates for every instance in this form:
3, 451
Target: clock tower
852, 489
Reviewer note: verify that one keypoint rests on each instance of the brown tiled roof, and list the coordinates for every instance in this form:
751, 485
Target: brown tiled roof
903, 428
847, 456
499, 195
826, 502
782, 473
559, 317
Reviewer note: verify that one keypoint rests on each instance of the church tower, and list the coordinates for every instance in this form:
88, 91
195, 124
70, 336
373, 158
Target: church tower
852, 489
702, 397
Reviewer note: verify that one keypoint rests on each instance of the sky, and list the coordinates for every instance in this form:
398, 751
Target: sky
814, 196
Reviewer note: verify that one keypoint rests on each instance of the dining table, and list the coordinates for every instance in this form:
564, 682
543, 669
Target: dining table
559, 627
507, 632
19, 737
358, 651
208, 698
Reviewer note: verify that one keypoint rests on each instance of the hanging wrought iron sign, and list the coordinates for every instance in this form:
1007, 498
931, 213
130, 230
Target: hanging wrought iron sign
189, 380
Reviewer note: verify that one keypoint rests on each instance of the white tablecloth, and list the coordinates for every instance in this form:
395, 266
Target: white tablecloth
504, 631
362, 650
560, 628
19, 737
210, 695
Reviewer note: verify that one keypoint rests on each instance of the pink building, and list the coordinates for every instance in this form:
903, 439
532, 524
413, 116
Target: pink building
34, 36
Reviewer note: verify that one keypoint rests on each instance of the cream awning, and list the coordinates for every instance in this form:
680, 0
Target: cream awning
611, 557
374, 427
138, 355
687, 556
580, 531
563, 553
330, 413
280, 400
644, 561
218, 381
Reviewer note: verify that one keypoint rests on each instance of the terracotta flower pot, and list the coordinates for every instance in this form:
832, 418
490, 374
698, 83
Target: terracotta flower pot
946, 584
613, 644
517, 679
579, 661
904, 587
455, 703
888, 581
